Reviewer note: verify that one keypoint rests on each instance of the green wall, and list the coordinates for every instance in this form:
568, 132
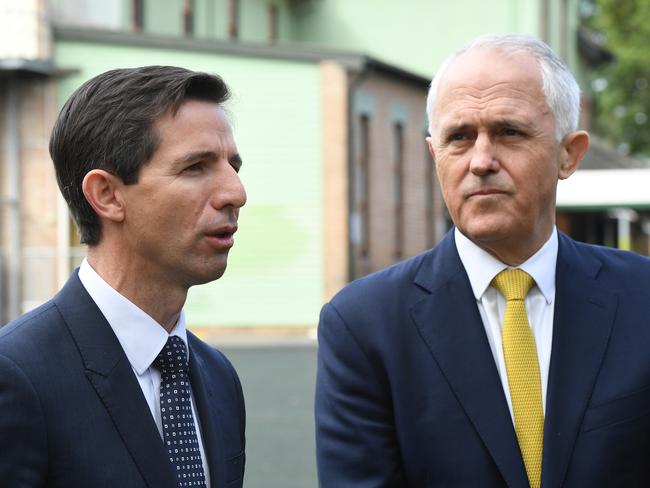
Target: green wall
254, 21
420, 34
211, 18
274, 275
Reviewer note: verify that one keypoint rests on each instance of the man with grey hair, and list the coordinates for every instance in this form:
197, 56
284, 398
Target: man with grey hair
509, 354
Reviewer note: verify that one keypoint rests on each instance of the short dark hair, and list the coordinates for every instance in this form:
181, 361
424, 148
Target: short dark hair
108, 123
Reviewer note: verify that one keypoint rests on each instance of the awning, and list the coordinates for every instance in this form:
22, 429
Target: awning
605, 189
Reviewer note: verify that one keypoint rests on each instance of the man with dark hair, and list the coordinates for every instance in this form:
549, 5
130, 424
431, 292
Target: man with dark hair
509, 355
103, 386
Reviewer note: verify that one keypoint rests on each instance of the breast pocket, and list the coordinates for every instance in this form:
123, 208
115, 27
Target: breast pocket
235, 470
619, 410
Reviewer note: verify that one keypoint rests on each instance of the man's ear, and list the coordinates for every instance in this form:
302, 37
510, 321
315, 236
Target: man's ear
432, 151
574, 148
103, 192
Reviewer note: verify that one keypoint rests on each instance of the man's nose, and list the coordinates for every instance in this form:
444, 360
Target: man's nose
484, 156
229, 190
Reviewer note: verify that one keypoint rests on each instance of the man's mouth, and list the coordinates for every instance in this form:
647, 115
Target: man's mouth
222, 238
485, 192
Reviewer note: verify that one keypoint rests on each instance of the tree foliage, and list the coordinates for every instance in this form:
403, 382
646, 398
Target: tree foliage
622, 91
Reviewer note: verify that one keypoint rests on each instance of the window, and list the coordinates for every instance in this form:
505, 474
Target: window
273, 23
398, 190
363, 187
429, 205
188, 17
138, 15
87, 14
233, 19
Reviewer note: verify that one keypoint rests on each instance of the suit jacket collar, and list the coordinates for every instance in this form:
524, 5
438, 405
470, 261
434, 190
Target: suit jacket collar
210, 412
584, 315
453, 332
112, 377
450, 325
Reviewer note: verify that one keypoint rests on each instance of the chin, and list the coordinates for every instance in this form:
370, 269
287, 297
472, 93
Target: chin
489, 231
207, 273
214, 275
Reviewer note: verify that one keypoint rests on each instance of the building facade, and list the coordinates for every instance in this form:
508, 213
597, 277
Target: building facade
328, 113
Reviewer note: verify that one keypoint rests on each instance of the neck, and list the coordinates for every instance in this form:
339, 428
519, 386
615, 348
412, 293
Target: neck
514, 252
147, 290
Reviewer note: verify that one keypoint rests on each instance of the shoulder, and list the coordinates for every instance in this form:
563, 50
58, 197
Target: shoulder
215, 368
385, 294
617, 268
24, 335
215, 362
426, 271
384, 282
40, 329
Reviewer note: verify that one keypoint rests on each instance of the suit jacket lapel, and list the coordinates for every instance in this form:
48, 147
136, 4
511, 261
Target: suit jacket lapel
113, 379
450, 324
584, 314
209, 417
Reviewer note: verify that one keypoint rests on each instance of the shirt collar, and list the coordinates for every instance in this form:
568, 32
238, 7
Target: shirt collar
482, 267
141, 337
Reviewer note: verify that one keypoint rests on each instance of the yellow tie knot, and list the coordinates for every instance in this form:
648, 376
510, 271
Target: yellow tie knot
513, 284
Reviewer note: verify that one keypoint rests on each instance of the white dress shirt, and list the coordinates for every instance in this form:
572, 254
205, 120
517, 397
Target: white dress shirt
142, 338
481, 268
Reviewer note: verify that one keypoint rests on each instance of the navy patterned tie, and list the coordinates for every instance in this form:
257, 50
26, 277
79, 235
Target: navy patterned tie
179, 433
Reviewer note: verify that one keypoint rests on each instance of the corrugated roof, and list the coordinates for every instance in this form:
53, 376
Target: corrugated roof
26, 67
603, 156
294, 52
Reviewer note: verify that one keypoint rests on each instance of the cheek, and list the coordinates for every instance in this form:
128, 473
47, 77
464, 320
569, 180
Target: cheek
450, 176
444, 174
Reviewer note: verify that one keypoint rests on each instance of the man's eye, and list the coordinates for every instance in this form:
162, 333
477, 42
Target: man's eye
193, 168
457, 137
510, 132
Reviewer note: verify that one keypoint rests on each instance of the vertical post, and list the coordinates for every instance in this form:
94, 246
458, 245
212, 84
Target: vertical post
544, 13
12, 159
624, 218
62, 241
233, 19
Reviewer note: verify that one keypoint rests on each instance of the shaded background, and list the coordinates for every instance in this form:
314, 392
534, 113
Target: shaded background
278, 384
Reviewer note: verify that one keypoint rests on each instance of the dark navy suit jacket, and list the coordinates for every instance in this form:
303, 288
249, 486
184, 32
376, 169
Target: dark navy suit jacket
408, 394
72, 413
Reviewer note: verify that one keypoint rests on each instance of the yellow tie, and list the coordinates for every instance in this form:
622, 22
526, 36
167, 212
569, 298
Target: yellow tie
520, 353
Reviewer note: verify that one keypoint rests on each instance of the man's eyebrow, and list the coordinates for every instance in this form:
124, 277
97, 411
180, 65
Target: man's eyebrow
499, 123
508, 122
452, 129
195, 156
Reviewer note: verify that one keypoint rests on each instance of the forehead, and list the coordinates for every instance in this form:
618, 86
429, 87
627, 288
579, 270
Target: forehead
194, 115
197, 127
487, 81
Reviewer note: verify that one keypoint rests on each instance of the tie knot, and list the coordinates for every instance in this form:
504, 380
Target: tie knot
513, 284
172, 358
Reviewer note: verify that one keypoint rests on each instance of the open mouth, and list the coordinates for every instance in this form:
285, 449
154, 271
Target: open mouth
223, 238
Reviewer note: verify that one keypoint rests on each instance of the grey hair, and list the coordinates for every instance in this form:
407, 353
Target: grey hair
558, 84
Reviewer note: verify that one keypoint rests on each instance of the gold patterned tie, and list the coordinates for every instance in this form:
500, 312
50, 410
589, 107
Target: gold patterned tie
520, 353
